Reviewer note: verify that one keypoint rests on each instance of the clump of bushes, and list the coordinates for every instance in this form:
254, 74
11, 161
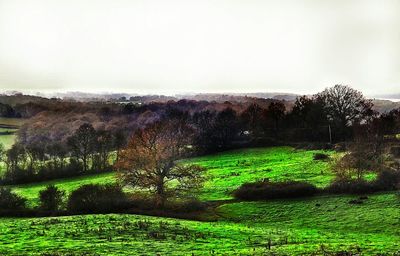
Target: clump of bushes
385, 181
191, 205
51, 198
395, 151
274, 190
351, 187
11, 201
47, 171
388, 180
94, 198
320, 156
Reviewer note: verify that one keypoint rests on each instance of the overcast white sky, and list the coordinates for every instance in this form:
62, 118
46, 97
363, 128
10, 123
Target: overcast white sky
148, 46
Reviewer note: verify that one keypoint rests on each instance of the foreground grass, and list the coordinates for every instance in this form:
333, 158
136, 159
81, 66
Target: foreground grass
294, 227
373, 226
125, 235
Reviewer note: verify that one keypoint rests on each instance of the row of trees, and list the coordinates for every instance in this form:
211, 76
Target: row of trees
329, 116
8, 111
87, 150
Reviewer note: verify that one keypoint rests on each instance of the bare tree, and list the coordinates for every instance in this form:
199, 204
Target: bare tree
345, 106
366, 153
82, 144
149, 160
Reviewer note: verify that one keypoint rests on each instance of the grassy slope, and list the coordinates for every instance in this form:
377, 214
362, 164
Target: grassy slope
229, 170
226, 171
244, 229
373, 225
125, 235
31, 191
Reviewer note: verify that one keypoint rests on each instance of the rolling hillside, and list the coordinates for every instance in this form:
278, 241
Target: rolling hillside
279, 227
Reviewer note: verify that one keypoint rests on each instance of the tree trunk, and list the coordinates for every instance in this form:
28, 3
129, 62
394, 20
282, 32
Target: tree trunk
160, 195
84, 163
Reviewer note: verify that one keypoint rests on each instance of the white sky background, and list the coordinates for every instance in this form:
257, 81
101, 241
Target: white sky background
168, 47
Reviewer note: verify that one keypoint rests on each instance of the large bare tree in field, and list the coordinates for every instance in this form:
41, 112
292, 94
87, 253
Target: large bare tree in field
345, 105
150, 160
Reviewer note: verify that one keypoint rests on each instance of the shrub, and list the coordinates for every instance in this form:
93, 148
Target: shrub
270, 190
352, 187
388, 180
395, 151
11, 201
320, 156
94, 198
51, 198
192, 205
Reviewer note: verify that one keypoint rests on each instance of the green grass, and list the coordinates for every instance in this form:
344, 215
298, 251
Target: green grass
295, 227
373, 225
31, 191
126, 235
7, 130
229, 170
226, 171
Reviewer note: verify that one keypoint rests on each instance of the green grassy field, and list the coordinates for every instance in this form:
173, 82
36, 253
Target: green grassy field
374, 226
226, 171
294, 227
229, 170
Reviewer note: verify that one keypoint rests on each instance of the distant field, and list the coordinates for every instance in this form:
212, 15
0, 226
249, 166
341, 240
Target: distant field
7, 140
12, 121
31, 191
295, 227
7, 130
